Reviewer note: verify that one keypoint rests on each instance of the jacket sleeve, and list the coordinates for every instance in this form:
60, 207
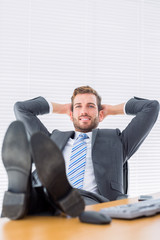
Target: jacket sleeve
27, 112
146, 113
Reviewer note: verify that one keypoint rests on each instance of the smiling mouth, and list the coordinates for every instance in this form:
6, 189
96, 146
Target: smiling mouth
84, 118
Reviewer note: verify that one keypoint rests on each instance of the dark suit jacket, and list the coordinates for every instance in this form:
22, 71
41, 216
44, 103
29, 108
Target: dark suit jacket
111, 148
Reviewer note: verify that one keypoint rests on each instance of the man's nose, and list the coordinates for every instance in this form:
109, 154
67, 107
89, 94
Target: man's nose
84, 111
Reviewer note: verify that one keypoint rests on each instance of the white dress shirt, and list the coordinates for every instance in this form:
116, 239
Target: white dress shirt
89, 182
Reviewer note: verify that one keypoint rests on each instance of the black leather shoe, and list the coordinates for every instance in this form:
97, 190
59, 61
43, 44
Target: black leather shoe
17, 162
50, 167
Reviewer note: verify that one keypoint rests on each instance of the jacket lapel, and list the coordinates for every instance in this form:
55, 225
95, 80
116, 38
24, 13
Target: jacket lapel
61, 138
94, 134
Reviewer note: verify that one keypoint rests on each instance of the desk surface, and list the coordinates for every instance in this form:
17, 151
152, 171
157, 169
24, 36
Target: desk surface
61, 228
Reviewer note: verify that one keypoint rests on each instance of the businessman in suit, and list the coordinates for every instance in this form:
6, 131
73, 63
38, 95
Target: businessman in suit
106, 152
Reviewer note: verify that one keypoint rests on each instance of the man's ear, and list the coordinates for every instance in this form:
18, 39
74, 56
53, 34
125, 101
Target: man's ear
101, 115
71, 116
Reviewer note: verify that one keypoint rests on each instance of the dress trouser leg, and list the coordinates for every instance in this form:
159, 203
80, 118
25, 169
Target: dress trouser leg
40, 203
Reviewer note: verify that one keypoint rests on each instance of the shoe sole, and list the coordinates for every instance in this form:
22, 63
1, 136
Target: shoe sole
50, 167
16, 160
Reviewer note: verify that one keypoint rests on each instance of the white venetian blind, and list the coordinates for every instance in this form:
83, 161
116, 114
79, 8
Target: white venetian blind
49, 47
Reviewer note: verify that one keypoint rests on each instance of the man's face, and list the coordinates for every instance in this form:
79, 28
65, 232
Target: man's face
85, 115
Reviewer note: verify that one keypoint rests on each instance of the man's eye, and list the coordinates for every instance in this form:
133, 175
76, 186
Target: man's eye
77, 106
91, 106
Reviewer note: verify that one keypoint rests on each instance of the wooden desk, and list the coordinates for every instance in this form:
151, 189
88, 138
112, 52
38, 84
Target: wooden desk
61, 228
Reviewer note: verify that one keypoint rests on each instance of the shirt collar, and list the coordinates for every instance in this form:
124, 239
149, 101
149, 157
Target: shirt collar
77, 133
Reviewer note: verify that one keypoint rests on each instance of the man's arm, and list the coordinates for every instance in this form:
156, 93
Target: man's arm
61, 108
146, 113
113, 109
27, 112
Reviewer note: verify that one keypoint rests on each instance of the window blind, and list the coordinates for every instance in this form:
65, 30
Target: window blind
49, 47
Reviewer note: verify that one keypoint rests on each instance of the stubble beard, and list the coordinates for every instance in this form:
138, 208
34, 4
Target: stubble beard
88, 128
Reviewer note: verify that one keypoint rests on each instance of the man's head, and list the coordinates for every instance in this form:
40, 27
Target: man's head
83, 90
86, 109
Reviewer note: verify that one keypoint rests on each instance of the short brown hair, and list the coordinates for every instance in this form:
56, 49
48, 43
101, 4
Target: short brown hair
83, 90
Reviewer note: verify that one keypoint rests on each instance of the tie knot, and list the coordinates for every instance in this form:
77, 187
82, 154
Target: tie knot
83, 136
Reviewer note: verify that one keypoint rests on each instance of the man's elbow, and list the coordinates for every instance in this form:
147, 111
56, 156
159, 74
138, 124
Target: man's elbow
17, 108
155, 107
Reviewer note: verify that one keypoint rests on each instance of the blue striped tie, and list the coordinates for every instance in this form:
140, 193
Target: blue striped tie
77, 161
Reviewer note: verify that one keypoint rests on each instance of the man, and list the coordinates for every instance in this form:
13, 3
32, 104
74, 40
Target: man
94, 158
